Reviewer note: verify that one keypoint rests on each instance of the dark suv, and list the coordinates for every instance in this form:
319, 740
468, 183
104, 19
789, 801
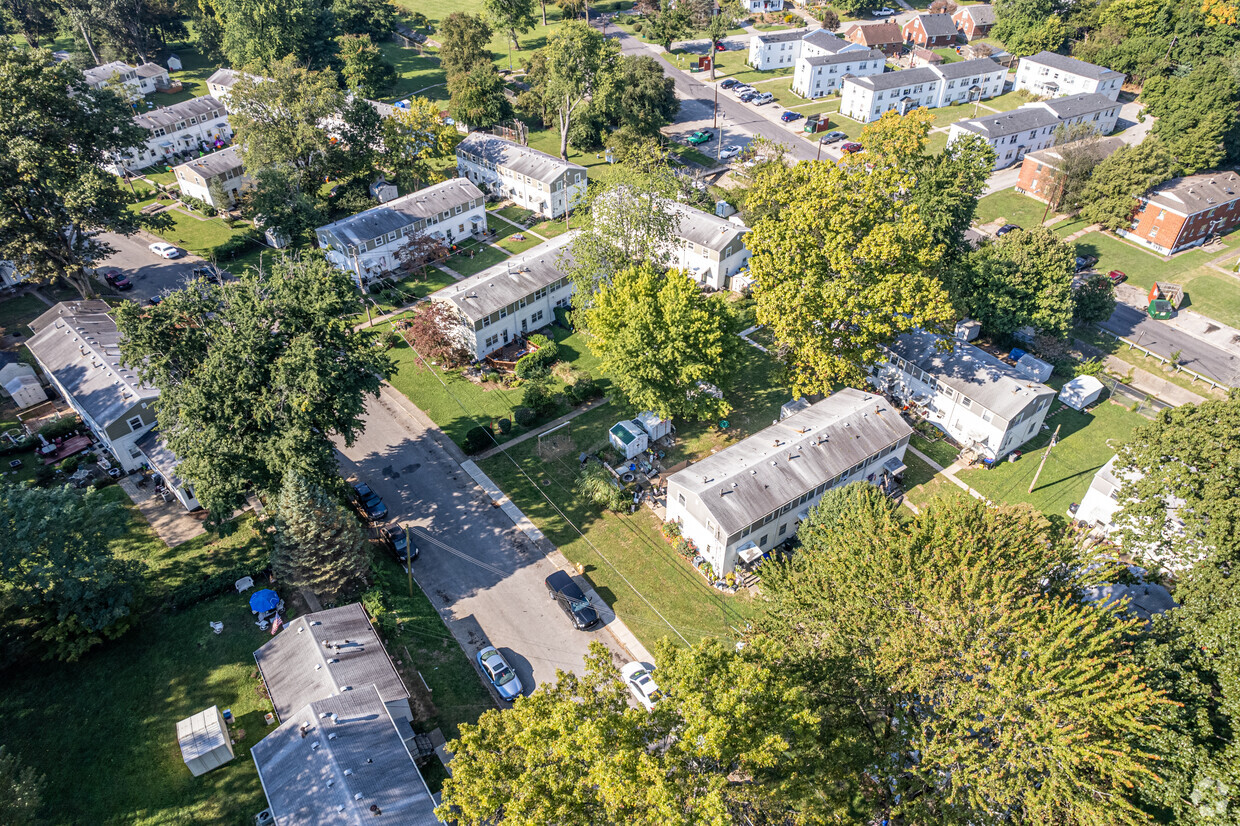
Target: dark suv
368, 502
397, 541
574, 603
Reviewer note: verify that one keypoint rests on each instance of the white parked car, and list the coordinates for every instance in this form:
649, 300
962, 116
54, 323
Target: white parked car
885, 11
165, 250
742, 89
640, 682
729, 152
763, 99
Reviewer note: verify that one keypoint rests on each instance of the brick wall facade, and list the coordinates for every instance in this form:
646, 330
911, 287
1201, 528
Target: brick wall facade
1169, 232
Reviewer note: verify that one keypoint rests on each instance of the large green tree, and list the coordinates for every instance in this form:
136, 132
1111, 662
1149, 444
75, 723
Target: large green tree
1029, 26
56, 199
319, 543
362, 66
642, 97
963, 673
256, 376
842, 264
464, 42
258, 34
659, 340
277, 201
1110, 196
60, 581
477, 97
516, 17
21, 791
376, 18
414, 138
580, 65
719, 25
1023, 278
671, 23
1197, 113
279, 121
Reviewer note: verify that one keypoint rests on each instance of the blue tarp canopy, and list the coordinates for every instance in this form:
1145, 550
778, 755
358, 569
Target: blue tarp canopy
265, 600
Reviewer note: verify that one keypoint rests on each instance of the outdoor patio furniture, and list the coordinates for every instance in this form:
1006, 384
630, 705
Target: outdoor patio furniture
244, 584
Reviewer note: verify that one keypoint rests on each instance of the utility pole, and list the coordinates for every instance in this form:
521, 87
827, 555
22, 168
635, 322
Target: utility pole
409, 559
715, 114
1042, 464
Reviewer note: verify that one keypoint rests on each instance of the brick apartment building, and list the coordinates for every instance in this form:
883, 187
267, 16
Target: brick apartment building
1186, 212
930, 31
1039, 171
886, 37
974, 22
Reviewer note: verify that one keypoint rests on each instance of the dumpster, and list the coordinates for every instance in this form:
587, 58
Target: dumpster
1173, 294
1161, 309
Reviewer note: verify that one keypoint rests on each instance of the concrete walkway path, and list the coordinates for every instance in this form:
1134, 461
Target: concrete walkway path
496, 214
551, 425
949, 472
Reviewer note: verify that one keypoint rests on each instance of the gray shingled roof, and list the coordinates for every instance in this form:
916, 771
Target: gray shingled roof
149, 69
983, 14
320, 654
1071, 65
1085, 103
778, 464
351, 758
496, 287
78, 343
1197, 193
224, 77
203, 107
823, 39
1098, 148
214, 164
845, 57
994, 385
969, 68
400, 212
102, 74
707, 230
1009, 123
782, 37
937, 25
896, 80
520, 159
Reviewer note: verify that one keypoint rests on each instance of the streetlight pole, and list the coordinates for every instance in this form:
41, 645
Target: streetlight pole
719, 144
819, 155
715, 114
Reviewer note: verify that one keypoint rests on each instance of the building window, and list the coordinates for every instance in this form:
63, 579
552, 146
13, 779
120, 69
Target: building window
135, 423
680, 497
966, 402
783, 529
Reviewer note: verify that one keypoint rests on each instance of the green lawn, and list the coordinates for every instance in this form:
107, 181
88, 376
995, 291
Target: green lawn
1009, 101
473, 257
420, 74
1086, 442
549, 228
937, 143
696, 155
918, 473
503, 236
937, 489
947, 115
782, 90
937, 449
191, 232
948, 54
732, 64
615, 548
1011, 207
828, 105
16, 313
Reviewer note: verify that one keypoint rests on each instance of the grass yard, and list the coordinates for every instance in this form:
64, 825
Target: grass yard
503, 236
694, 155
17, 313
197, 235
937, 489
1011, 207
473, 258
948, 54
918, 473
1086, 441
732, 64
937, 143
937, 449
1009, 101
103, 729
824, 106
630, 543
947, 115
416, 73
550, 228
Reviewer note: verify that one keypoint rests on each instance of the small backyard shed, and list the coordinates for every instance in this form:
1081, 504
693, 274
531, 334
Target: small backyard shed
1034, 368
204, 741
655, 426
1081, 392
628, 438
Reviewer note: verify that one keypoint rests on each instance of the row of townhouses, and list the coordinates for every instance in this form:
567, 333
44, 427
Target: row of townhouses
865, 99
138, 81
193, 125
1033, 127
219, 171
533, 180
820, 60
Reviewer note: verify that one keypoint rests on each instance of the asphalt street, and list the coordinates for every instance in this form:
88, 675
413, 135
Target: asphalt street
150, 274
1161, 338
484, 576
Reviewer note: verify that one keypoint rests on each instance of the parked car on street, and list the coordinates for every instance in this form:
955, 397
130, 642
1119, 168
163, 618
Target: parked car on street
641, 684
699, 137
117, 279
851, 147
748, 96
833, 137
1005, 229
165, 250
728, 83
507, 683
572, 601
763, 99
396, 538
1084, 262
885, 11
729, 152
720, 47
789, 117
1117, 277
741, 89
368, 502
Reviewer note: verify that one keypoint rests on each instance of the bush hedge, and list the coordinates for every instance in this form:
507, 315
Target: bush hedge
221, 582
545, 356
524, 416
477, 439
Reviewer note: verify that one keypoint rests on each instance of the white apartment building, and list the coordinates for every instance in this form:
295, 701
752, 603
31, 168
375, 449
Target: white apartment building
777, 50
866, 98
763, 6
739, 503
224, 168
513, 299
710, 249
220, 84
1032, 127
145, 79
825, 59
365, 244
983, 403
1054, 75
77, 345
190, 126
533, 180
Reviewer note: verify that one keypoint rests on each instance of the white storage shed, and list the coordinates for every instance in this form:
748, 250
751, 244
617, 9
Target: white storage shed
1034, 368
967, 329
1081, 392
655, 426
628, 438
25, 390
204, 741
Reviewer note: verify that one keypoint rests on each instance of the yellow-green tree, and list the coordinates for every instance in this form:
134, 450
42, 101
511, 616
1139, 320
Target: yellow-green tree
841, 261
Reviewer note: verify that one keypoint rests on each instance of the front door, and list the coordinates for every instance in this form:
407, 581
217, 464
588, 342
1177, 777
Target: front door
505, 336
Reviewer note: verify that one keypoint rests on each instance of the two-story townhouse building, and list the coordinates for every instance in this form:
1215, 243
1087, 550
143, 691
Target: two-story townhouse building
1186, 212
365, 244
983, 403
189, 126
709, 248
739, 503
763, 6
145, 79
223, 168
220, 83
867, 98
77, 345
930, 31
533, 180
1040, 175
1033, 127
511, 300
825, 59
886, 37
974, 22
776, 50
1054, 75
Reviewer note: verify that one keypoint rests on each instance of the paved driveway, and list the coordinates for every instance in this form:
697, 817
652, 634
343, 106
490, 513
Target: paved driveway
483, 575
149, 273
1162, 338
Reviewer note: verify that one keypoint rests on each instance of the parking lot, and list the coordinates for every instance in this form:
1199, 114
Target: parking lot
150, 274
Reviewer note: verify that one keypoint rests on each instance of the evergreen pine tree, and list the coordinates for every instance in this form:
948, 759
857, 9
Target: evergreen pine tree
318, 543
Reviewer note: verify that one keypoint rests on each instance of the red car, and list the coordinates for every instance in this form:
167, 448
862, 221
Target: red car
719, 47
850, 147
1117, 277
116, 279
